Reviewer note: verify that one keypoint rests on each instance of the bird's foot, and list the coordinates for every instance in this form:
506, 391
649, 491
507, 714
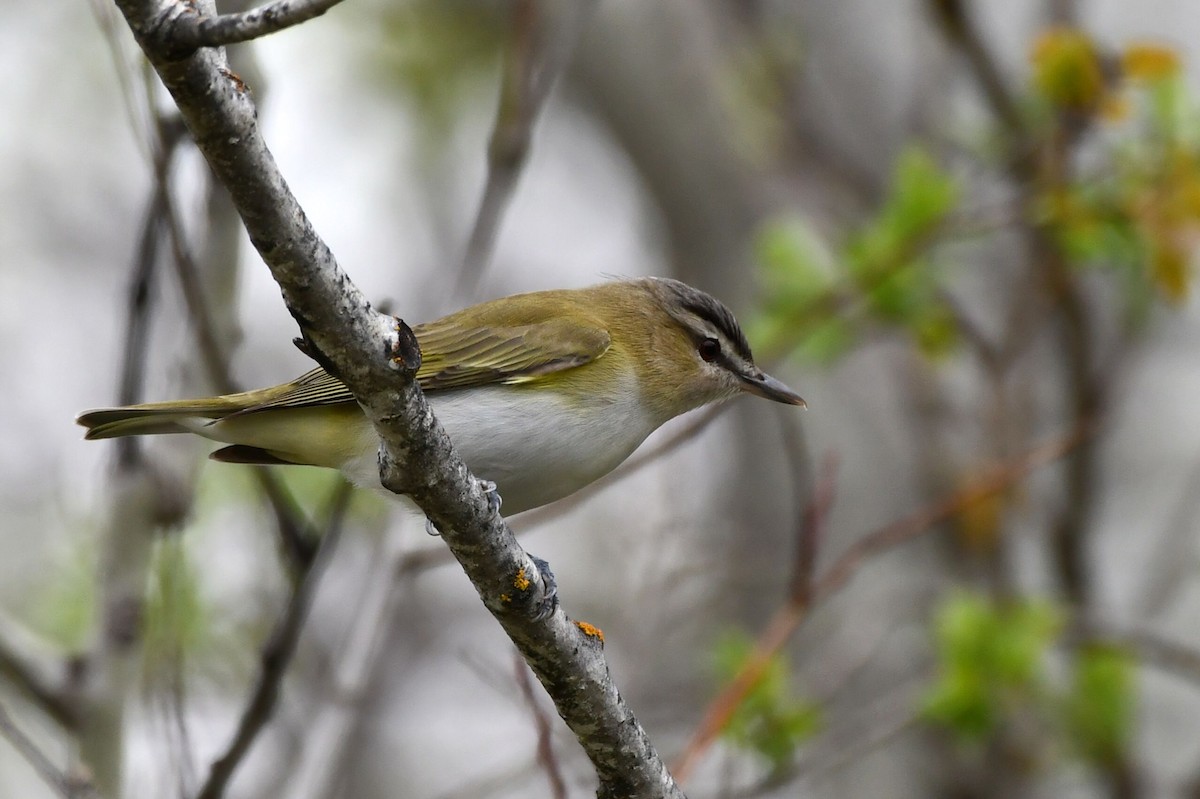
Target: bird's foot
549, 600
493, 496
431, 528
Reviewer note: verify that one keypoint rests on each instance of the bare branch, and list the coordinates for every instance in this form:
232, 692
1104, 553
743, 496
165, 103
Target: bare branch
277, 654
540, 49
188, 30
377, 358
960, 30
29, 665
545, 743
65, 786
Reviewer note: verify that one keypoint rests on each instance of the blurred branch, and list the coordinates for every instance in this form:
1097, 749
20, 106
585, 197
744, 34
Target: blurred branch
956, 24
852, 739
298, 543
545, 743
31, 666
544, 34
169, 134
277, 653
811, 529
189, 30
68, 787
1173, 556
797, 607
329, 730
1076, 336
1150, 648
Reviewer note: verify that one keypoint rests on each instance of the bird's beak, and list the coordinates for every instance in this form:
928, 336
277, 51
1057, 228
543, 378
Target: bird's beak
763, 385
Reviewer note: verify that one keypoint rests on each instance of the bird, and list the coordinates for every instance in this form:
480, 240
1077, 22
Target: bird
541, 393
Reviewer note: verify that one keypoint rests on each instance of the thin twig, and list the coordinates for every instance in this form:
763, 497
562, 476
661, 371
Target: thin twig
140, 297
295, 539
541, 722
789, 617
538, 54
190, 31
64, 785
956, 24
1150, 647
811, 528
27, 667
277, 655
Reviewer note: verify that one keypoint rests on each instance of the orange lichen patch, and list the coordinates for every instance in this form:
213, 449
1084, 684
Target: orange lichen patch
590, 630
1146, 61
505, 598
521, 582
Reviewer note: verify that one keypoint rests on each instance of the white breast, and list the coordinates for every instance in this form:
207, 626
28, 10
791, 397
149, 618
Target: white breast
535, 445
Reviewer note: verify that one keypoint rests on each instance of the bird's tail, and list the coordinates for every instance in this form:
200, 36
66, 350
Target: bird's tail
153, 418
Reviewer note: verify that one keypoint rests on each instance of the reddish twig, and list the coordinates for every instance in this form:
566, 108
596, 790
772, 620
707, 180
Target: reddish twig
793, 613
545, 745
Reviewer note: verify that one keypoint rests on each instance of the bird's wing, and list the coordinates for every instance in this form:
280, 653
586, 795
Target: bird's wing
455, 356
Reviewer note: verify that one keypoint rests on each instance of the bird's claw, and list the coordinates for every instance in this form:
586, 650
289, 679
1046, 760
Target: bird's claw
493, 496
549, 600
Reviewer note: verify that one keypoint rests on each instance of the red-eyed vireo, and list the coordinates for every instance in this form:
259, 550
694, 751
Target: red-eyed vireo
541, 393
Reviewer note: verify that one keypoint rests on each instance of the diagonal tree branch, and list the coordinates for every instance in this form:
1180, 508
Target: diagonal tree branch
32, 667
277, 654
377, 357
64, 785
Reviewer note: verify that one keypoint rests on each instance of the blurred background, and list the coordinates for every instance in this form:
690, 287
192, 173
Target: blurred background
965, 231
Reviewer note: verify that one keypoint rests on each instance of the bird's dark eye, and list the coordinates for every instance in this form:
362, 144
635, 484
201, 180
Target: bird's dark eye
709, 349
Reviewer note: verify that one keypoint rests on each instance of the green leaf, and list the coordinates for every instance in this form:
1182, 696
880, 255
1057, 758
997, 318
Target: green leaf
990, 659
1100, 707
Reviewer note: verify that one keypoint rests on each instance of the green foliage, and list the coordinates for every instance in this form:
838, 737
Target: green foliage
1136, 208
994, 667
1099, 707
990, 659
770, 722
821, 304
1131, 207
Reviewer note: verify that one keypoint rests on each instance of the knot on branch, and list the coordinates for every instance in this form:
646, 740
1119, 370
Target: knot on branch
406, 350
